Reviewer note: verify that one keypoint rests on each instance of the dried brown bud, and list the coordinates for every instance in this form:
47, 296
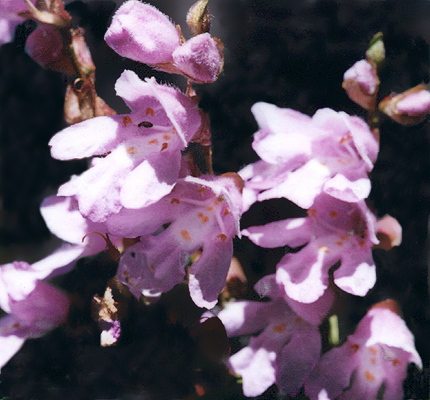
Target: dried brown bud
198, 18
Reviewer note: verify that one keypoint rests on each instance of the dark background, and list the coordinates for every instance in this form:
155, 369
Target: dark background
290, 53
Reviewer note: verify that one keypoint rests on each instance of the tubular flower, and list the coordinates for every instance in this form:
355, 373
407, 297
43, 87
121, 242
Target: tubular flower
331, 152
141, 151
286, 350
33, 306
371, 364
200, 213
143, 33
334, 231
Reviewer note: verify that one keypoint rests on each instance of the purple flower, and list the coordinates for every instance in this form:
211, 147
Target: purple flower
286, 350
372, 361
200, 213
361, 83
33, 307
142, 33
330, 152
333, 231
141, 152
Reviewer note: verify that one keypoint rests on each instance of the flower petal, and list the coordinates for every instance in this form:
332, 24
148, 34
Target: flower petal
95, 136
204, 284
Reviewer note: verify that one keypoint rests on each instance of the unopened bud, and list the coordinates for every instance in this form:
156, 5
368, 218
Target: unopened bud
361, 84
376, 50
407, 108
198, 18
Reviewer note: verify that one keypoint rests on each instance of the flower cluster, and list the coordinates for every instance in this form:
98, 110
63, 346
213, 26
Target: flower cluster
167, 219
142, 33
321, 164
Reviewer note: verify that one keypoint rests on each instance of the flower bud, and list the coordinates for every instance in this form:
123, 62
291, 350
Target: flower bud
408, 108
376, 51
361, 84
198, 18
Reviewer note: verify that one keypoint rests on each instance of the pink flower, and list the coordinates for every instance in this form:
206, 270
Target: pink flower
333, 231
34, 307
142, 33
200, 213
285, 351
361, 83
141, 152
330, 152
372, 359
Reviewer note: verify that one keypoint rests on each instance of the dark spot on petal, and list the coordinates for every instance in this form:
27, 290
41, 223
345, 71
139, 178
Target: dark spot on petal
145, 124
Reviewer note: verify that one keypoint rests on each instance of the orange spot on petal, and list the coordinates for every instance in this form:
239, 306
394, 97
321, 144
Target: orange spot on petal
226, 212
209, 208
373, 350
203, 217
166, 137
298, 320
131, 150
153, 141
279, 328
149, 110
339, 243
333, 214
175, 201
369, 376
222, 237
185, 235
396, 362
354, 347
164, 146
126, 120
201, 189
312, 212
